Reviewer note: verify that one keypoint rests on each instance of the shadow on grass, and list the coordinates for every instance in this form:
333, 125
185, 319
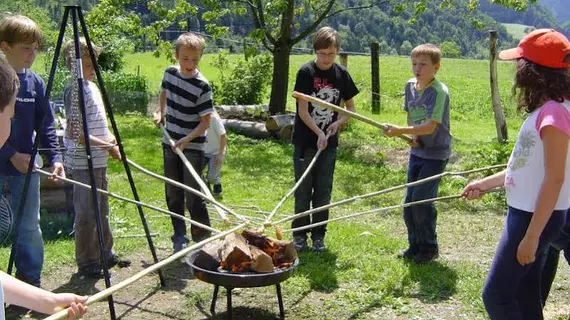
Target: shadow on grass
241, 312
437, 282
148, 312
320, 269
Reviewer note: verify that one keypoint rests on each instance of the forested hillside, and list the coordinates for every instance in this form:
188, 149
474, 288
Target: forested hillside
397, 32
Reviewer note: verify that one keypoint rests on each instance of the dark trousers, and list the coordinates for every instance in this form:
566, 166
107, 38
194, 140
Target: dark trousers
421, 219
316, 188
174, 169
513, 291
551, 257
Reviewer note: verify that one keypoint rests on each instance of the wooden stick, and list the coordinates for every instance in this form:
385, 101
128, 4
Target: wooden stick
184, 187
305, 174
402, 186
349, 113
175, 257
193, 172
110, 194
399, 206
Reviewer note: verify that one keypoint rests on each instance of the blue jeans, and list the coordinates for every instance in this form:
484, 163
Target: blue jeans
315, 189
421, 219
175, 169
29, 245
513, 291
551, 257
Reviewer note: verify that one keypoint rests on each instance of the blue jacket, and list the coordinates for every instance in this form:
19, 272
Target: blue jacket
31, 113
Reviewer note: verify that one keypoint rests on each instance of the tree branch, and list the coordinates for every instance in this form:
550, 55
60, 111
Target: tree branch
313, 26
357, 8
261, 18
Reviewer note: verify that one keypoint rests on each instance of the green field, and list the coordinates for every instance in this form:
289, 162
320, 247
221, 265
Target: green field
359, 277
517, 31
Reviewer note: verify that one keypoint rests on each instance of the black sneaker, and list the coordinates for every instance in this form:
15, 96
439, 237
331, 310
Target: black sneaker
217, 190
426, 255
179, 243
319, 245
116, 260
91, 271
300, 243
408, 254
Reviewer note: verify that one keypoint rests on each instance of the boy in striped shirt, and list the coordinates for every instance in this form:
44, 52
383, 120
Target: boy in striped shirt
185, 107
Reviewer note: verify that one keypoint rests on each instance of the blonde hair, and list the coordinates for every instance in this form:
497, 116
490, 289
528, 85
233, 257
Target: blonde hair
19, 29
69, 50
428, 49
190, 40
9, 83
325, 38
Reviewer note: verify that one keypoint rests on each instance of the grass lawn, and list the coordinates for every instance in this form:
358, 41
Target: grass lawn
516, 30
359, 276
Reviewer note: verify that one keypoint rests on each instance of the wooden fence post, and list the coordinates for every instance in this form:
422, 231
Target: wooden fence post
344, 63
500, 122
375, 72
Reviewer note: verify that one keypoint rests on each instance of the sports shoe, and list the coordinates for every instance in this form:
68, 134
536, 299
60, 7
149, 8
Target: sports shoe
116, 260
217, 190
300, 243
91, 271
408, 254
319, 245
426, 255
179, 243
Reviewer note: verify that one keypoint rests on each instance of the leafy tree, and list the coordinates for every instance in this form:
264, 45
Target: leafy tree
278, 25
406, 48
450, 49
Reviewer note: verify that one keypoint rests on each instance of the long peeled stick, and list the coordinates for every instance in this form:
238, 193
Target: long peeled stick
184, 187
110, 194
342, 111
175, 257
193, 172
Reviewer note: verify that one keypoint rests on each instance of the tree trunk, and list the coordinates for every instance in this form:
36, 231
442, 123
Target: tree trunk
279, 85
277, 122
250, 129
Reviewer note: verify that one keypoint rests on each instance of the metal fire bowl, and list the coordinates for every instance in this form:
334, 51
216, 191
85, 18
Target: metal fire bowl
240, 280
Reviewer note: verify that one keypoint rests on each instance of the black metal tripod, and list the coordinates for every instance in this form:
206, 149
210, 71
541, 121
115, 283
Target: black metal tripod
76, 19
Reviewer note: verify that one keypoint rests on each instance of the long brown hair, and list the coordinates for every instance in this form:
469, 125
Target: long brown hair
536, 84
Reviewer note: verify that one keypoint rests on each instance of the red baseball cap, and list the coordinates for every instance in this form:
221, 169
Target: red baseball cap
545, 47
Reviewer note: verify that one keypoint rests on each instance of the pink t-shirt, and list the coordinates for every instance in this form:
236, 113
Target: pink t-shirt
525, 170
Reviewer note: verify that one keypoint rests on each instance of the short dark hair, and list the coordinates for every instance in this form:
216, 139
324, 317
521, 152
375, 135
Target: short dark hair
9, 83
325, 38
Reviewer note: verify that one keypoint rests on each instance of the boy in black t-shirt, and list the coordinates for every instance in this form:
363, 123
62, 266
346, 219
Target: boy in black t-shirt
329, 81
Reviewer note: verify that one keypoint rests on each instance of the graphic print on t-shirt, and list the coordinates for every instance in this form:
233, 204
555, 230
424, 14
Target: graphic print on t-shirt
324, 91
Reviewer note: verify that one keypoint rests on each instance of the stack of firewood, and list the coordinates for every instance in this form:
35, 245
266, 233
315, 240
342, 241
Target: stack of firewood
246, 252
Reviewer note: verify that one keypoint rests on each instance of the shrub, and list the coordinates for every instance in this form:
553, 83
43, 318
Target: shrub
127, 92
246, 81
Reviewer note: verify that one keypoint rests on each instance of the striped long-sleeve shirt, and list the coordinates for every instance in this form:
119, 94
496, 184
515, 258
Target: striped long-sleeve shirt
76, 157
187, 99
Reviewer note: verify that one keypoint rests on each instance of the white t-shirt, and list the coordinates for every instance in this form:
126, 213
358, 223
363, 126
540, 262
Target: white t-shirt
215, 131
2, 316
525, 170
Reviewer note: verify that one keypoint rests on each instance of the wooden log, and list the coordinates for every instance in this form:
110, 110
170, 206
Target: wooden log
209, 256
262, 262
235, 253
287, 251
243, 111
285, 133
250, 129
278, 121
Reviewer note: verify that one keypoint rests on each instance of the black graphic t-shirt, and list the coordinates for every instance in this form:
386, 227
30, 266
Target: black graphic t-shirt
332, 85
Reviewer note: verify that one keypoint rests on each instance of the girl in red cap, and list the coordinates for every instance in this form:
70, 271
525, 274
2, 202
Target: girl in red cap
537, 178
